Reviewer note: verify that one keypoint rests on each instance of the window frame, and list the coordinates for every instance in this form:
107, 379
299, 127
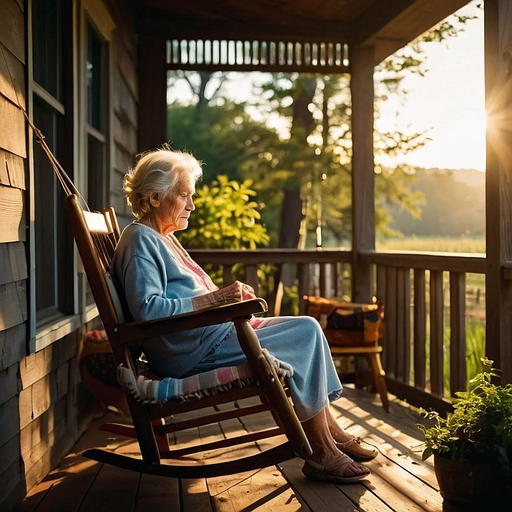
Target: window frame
95, 16
76, 311
63, 309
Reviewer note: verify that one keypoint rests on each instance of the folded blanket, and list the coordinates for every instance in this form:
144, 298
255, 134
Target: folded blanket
209, 383
196, 386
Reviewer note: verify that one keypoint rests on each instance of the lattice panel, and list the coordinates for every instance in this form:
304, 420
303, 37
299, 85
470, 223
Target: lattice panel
258, 55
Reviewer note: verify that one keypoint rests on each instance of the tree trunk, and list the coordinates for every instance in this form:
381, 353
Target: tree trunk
302, 124
292, 212
291, 217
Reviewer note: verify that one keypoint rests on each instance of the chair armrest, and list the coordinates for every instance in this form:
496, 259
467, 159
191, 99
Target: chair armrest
133, 331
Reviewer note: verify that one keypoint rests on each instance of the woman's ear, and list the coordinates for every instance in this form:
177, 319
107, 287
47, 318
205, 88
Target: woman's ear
153, 199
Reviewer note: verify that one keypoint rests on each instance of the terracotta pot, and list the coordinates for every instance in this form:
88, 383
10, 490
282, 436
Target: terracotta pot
465, 482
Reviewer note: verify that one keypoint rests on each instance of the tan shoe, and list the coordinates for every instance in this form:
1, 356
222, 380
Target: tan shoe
335, 471
358, 450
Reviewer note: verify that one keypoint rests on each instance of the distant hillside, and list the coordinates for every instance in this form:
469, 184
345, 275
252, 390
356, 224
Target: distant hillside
470, 177
455, 204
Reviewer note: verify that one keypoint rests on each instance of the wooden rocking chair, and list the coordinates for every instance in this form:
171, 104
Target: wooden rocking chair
96, 235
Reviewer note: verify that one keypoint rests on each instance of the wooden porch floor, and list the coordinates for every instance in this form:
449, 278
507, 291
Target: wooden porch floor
400, 481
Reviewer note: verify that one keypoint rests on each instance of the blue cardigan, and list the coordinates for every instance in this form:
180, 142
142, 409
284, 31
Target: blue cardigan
157, 283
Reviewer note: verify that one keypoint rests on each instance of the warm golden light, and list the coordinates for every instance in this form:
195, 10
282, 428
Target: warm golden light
499, 121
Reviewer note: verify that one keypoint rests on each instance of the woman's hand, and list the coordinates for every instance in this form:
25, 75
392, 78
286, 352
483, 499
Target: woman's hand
247, 291
235, 292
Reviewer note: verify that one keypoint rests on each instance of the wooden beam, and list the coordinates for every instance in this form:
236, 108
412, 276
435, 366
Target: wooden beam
363, 177
498, 94
389, 26
153, 92
169, 25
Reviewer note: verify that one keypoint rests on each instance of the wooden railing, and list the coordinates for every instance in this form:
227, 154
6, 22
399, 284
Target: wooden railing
319, 272
416, 356
419, 320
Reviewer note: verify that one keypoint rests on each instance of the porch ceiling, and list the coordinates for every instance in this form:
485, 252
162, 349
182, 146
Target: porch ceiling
387, 25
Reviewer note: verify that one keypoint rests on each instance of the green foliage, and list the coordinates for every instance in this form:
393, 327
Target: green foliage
448, 29
225, 138
479, 429
475, 346
226, 217
311, 151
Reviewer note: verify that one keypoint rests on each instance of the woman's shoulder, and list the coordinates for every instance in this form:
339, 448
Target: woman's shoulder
138, 230
137, 237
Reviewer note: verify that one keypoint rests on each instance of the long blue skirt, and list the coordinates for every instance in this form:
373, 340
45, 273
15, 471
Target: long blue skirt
298, 341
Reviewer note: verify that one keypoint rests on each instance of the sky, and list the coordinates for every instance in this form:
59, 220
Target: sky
448, 101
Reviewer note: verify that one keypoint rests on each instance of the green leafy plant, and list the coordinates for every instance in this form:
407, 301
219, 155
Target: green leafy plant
480, 428
226, 217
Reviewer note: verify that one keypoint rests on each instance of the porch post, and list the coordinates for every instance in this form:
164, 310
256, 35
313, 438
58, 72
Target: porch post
363, 194
152, 91
498, 97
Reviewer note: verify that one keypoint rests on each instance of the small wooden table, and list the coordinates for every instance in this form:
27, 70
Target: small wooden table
353, 329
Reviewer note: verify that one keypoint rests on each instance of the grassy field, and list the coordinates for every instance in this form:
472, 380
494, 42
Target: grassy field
433, 244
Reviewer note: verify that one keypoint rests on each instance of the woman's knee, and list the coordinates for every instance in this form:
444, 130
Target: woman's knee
311, 323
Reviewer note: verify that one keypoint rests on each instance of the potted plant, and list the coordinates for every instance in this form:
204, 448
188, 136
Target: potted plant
472, 447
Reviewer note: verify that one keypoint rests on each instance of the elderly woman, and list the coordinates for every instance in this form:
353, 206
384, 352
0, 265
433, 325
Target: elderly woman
159, 279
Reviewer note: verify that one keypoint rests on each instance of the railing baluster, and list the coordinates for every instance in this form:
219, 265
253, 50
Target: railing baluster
457, 332
419, 329
403, 333
251, 276
304, 284
380, 286
227, 274
391, 327
436, 333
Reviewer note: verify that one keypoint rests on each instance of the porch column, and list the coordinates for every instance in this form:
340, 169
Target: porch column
152, 91
363, 193
498, 97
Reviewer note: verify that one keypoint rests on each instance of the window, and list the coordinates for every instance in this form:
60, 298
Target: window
47, 46
51, 114
96, 86
97, 182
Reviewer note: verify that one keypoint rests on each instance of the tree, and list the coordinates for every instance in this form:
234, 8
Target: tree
303, 173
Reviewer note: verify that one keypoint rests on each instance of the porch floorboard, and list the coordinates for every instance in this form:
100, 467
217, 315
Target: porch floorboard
400, 481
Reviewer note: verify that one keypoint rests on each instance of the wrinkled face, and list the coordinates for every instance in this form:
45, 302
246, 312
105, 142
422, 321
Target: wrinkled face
173, 211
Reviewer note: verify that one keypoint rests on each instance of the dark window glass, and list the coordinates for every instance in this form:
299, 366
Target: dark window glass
51, 27
49, 216
94, 78
47, 45
97, 175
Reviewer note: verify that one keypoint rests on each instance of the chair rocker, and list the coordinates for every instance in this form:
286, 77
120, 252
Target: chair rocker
96, 235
